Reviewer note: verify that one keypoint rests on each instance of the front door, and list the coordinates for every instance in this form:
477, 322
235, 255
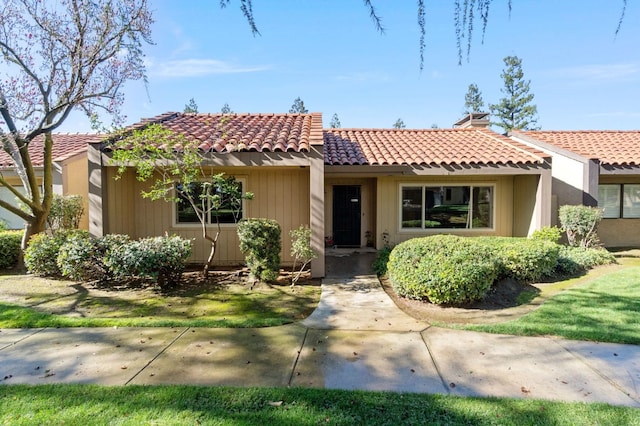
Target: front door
346, 215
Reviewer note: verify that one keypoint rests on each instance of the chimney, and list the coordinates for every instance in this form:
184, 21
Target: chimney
474, 119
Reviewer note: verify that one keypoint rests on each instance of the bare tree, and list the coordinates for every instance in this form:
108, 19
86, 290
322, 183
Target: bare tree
57, 57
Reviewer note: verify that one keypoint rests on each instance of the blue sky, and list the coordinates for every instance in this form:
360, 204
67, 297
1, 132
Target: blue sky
329, 53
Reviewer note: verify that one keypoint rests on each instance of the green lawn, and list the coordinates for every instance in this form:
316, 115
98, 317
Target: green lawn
605, 308
27, 301
162, 405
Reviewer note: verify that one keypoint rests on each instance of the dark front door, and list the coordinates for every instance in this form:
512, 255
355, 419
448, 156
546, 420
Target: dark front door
346, 215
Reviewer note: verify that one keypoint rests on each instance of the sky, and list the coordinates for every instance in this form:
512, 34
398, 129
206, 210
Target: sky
328, 53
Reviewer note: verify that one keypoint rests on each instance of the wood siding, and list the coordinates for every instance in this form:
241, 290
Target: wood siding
280, 193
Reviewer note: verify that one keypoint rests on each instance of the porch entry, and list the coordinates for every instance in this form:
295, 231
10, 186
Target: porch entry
347, 211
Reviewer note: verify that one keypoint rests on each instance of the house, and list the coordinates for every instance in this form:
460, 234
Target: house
69, 171
353, 187
595, 168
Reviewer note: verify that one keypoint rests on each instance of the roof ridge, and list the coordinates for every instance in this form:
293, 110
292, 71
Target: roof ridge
510, 142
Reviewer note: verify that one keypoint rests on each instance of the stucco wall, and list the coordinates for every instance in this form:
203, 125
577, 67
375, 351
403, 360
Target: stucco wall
388, 206
280, 193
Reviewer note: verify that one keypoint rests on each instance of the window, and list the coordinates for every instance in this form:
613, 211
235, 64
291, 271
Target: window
446, 207
230, 211
619, 201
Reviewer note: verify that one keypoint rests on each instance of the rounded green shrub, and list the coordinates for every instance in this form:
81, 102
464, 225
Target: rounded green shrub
443, 269
548, 233
82, 256
573, 260
261, 245
523, 259
162, 259
41, 254
10, 242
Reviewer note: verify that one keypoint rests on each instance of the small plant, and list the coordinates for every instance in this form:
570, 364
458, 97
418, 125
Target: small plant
10, 248
581, 224
548, 233
66, 212
260, 243
301, 250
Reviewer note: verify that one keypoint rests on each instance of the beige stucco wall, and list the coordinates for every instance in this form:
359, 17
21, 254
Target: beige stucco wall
75, 181
280, 193
388, 206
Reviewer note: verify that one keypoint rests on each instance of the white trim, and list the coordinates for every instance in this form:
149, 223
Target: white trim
428, 231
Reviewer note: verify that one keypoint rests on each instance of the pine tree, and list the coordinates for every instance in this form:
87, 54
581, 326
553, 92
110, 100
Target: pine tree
473, 100
298, 107
226, 109
399, 124
191, 107
335, 122
516, 110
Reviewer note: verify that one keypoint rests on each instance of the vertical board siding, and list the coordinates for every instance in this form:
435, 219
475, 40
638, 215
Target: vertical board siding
280, 193
75, 177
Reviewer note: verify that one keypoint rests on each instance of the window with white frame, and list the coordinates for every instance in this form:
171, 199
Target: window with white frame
231, 211
619, 200
447, 207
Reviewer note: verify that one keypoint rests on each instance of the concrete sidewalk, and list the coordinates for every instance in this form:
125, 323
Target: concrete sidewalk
356, 339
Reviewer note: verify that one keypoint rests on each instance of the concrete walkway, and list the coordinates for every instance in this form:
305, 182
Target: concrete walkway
356, 339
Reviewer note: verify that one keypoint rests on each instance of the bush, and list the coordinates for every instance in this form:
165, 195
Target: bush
82, 257
523, 259
41, 255
381, 262
10, 242
301, 250
573, 260
581, 224
260, 243
162, 259
547, 233
66, 212
444, 269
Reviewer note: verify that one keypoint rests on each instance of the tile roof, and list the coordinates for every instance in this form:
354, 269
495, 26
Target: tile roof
468, 146
243, 132
616, 148
65, 145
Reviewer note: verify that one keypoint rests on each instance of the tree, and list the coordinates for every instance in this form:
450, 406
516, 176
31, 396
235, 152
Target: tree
464, 18
58, 57
515, 110
191, 107
298, 107
180, 176
473, 100
226, 109
399, 124
335, 122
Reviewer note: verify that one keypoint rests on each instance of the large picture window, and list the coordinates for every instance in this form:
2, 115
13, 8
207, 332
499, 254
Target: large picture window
447, 207
619, 200
231, 211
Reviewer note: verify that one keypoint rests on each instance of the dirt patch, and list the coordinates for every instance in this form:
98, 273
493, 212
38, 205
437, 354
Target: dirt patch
506, 300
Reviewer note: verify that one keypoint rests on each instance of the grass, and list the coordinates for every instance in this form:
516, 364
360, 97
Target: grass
133, 405
28, 302
603, 308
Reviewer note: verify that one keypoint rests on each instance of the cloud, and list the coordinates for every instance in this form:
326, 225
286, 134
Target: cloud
199, 68
601, 72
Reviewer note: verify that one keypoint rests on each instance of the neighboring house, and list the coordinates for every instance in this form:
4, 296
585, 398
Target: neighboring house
69, 171
389, 185
278, 157
353, 187
596, 168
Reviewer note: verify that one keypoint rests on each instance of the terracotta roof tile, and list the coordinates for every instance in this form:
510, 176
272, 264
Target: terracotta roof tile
244, 132
468, 146
609, 146
65, 145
